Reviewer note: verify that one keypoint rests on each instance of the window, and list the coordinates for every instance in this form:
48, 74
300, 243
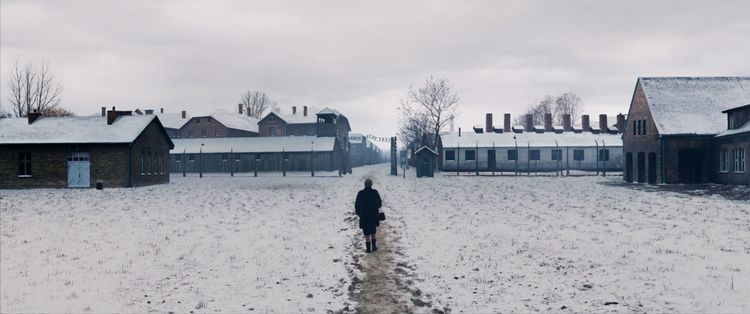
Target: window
143, 163
191, 157
224, 157
557, 154
470, 154
723, 160
578, 154
273, 131
739, 160
216, 133
534, 154
209, 119
203, 133
236, 157
643, 125
24, 164
198, 120
450, 155
634, 128
603, 155
512, 154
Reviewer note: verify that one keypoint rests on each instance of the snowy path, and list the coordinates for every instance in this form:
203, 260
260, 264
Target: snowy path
450, 244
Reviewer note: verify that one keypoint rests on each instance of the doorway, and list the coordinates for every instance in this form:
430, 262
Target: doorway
629, 167
641, 167
491, 162
652, 168
79, 170
690, 166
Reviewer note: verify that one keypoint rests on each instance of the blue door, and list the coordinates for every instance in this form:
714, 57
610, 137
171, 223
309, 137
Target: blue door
79, 170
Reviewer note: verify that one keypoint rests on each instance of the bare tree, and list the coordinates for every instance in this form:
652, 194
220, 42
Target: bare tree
256, 104
413, 125
33, 88
437, 100
566, 103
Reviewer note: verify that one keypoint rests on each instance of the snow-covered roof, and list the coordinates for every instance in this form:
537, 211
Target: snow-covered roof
73, 130
745, 128
355, 138
254, 144
172, 120
234, 120
298, 117
327, 110
584, 139
693, 105
427, 149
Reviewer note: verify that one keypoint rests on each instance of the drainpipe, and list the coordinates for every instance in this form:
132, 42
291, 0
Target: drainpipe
130, 170
661, 162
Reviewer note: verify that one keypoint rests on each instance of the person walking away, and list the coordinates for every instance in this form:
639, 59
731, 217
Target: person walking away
367, 207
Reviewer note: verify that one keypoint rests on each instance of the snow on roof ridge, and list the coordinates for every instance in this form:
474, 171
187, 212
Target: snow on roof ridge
693, 105
73, 130
234, 120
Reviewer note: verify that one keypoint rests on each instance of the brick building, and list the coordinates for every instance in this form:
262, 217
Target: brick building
731, 148
672, 127
258, 154
221, 123
120, 150
529, 148
364, 151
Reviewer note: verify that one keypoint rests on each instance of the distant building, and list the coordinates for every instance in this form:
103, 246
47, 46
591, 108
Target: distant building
364, 151
732, 147
676, 131
530, 148
220, 123
121, 150
261, 154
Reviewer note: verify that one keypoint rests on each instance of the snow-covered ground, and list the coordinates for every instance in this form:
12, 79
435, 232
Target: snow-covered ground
458, 244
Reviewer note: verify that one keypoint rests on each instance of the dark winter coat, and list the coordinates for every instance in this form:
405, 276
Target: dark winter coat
367, 208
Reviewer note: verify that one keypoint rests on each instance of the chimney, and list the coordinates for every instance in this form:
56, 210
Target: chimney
488, 128
33, 116
294, 110
529, 127
161, 110
506, 123
239, 108
104, 111
149, 111
585, 123
184, 114
620, 122
113, 114
304, 112
459, 132
548, 122
567, 126
603, 123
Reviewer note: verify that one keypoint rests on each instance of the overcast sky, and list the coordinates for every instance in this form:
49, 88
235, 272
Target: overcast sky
360, 57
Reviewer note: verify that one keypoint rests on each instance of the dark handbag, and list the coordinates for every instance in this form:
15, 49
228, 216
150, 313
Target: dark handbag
382, 216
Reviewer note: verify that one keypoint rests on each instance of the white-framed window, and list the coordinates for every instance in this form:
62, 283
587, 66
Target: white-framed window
739, 160
723, 160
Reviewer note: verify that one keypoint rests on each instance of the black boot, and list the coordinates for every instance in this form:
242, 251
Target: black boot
374, 247
368, 250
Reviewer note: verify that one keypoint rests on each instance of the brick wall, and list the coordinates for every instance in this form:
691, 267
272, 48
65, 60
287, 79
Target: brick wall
150, 141
635, 144
269, 122
198, 126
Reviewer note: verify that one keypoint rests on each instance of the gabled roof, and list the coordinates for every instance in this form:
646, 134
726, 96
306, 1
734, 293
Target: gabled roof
236, 121
172, 120
736, 108
74, 130
425, 148
255, 144
693, 105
